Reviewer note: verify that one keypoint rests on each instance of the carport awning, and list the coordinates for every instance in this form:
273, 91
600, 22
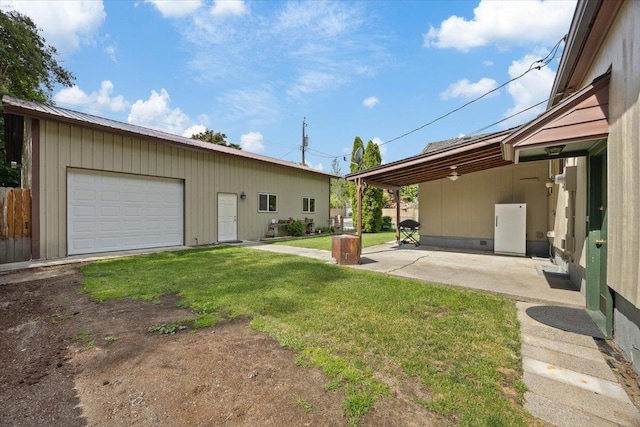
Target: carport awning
569, 129
467, 155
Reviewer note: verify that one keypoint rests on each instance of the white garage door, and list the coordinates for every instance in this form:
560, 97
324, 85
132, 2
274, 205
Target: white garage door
113, 212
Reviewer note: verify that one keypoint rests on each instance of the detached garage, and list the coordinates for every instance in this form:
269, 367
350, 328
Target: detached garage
98, 185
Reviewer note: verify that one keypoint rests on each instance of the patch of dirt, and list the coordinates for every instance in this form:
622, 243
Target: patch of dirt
627, 377
69, 360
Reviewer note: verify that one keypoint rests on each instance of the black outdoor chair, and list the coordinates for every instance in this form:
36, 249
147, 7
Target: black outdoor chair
409, 228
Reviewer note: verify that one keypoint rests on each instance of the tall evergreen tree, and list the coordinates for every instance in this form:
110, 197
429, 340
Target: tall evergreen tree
372, 197
28, 70
355, 166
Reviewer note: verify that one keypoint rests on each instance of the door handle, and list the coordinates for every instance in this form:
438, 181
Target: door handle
600, 242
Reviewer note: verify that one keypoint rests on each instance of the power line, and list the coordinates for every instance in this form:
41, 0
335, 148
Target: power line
536, 65
509, 117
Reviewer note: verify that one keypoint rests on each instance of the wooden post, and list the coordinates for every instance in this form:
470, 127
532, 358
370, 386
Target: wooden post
396, 194
359, 184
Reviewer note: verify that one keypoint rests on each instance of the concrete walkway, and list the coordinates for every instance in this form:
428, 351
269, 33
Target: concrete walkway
568, 380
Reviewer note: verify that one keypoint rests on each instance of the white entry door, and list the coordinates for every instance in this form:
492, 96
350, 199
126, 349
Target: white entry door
227, 217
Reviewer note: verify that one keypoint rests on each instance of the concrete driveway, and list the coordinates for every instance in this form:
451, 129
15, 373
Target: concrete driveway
524, 279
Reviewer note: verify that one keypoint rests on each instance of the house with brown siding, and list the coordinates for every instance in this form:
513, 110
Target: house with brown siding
100, 185
576, 167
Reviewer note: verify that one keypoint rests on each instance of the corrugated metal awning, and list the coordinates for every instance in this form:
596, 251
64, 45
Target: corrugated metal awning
569, 129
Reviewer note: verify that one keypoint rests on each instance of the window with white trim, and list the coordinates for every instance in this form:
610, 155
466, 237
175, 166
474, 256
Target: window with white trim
267, 202
308, 205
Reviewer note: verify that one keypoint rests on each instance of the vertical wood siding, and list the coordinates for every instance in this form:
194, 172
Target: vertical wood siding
63, 146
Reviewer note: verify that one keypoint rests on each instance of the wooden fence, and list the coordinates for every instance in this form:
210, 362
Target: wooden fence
15, 225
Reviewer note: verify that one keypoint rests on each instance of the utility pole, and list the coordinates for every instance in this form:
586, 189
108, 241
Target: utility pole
305, 140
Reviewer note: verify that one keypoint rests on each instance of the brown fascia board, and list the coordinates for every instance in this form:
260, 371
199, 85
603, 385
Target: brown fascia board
509, 143
472, 144
42, 111
590, 25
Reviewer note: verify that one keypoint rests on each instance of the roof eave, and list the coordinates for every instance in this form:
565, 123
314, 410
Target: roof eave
165, 138
590, 24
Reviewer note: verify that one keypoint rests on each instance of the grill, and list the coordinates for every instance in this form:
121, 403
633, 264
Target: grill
409, 229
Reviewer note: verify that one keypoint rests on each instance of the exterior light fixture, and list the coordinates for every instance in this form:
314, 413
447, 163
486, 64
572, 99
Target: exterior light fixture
243, 196
554, 151
453, 176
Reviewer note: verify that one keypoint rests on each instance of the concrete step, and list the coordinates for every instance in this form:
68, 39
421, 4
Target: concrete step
598, 369
614, 410
559, 414
536, 329
563, 347
573, 321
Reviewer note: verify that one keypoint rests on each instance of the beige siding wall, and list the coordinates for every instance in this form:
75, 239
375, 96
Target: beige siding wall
204, 174
620, 52
465, 208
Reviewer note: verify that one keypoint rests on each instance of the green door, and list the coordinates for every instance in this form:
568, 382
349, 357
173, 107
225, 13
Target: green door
599, 300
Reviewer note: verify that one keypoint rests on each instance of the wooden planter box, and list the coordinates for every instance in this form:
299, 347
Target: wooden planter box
346, 249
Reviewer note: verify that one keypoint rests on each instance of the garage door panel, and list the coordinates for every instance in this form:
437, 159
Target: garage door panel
111, 211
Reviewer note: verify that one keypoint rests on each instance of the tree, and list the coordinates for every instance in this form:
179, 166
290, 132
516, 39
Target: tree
355, 166
28, 70
339, 189
372, 197
409, 193
218, 138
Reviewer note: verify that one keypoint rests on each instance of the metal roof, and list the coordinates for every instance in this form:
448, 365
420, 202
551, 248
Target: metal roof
466, 154
33, 109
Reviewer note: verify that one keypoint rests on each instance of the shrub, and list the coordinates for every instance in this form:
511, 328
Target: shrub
296, 228
386, 223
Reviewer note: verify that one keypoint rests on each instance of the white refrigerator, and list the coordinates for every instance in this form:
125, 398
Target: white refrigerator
510, 235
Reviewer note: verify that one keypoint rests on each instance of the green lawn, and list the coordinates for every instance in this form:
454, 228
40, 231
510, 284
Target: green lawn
358, 326
324, 242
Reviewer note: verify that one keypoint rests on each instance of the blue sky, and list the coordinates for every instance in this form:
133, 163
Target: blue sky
254, 69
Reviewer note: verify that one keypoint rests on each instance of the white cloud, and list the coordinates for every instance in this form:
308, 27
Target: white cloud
223, 8
257, 105
252, 142
465, 89
487, 63
111, 51
65, 25
528, 90
318, 167
176, 8
98, 101
371, 102
504, 23
303, 47
320, 18
193, 130
315, 81
156, 113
